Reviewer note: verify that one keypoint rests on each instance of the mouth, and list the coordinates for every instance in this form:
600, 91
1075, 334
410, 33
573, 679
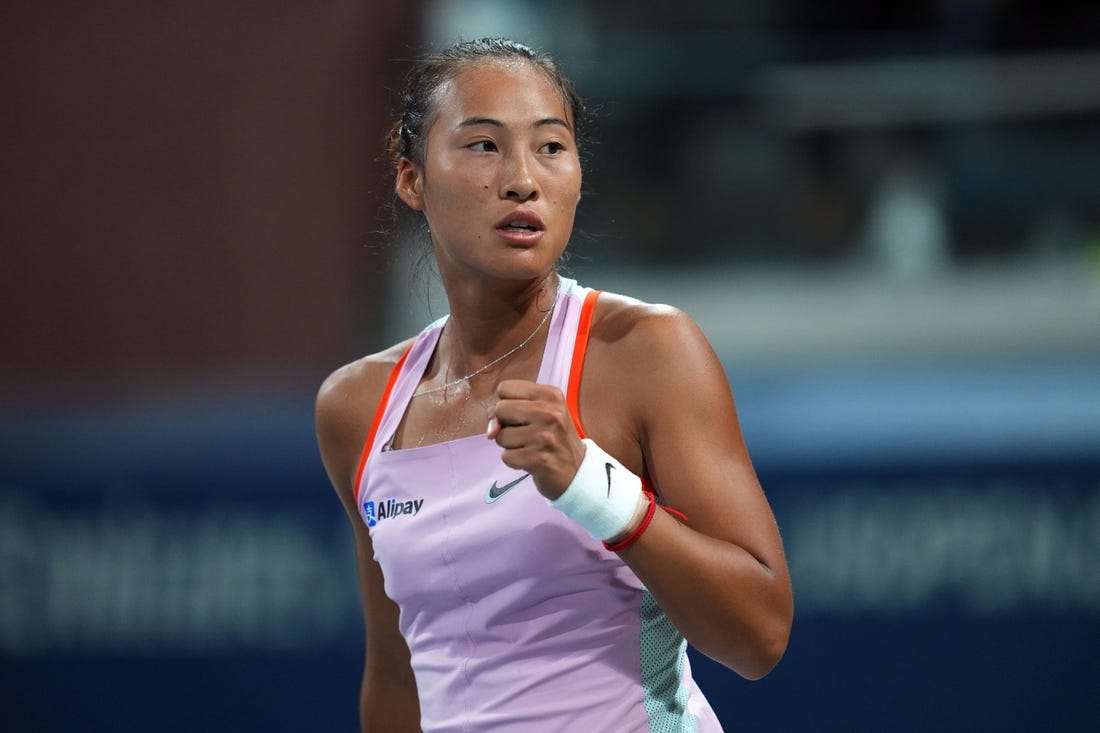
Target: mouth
519, 226
521, 229
521, 222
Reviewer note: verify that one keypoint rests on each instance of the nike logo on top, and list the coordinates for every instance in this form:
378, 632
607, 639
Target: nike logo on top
495, 492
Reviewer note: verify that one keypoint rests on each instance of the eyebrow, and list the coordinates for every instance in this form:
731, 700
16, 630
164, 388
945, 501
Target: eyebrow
474, 121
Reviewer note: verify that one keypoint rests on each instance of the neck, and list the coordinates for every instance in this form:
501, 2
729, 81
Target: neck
487, 321
491, 329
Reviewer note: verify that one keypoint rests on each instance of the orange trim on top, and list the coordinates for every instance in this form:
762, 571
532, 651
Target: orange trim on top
378, 420
573, 398
573, 391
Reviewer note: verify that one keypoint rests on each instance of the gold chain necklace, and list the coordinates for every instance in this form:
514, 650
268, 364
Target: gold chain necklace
497, 360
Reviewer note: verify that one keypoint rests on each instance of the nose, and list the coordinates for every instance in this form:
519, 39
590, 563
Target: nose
518, 182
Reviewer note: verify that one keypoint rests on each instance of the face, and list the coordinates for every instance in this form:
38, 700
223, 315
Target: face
501, 177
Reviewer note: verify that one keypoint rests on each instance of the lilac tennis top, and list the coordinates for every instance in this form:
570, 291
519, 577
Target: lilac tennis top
516, 619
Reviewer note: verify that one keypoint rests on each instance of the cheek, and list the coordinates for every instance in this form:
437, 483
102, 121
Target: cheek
569, 197
571, 192
455, 194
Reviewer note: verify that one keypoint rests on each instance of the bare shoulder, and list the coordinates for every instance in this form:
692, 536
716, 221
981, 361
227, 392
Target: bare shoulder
657, 379
361, 378
627, 327
344, 410
645, 365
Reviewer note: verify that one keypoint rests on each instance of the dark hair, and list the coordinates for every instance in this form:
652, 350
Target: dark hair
431, 72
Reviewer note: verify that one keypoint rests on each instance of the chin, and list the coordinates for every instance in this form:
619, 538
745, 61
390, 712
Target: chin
529, 265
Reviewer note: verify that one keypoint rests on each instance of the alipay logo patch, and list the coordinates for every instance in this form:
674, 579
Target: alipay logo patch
389, 509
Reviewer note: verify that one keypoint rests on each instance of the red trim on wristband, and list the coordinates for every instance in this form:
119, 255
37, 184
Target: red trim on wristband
623, 544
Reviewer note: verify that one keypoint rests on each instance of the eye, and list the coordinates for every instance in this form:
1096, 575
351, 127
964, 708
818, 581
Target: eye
483, 146
552, 148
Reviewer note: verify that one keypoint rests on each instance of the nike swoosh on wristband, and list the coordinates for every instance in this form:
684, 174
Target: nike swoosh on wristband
495, 492
608, 466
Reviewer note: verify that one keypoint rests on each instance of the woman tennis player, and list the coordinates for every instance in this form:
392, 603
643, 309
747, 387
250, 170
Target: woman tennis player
549, 488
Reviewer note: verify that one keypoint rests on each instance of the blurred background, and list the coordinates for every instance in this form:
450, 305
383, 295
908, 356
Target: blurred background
886, 216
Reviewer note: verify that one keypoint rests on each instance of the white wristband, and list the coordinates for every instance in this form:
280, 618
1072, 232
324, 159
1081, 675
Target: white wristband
603, 495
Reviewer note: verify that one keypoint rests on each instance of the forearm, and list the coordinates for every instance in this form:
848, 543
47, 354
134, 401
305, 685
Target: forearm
728, 604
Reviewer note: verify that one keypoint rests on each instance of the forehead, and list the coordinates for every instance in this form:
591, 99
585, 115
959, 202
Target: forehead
514, 92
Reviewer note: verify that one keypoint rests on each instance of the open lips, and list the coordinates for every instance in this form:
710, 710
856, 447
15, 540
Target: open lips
521, 221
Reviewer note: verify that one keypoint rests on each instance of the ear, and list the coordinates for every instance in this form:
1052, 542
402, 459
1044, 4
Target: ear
409, 184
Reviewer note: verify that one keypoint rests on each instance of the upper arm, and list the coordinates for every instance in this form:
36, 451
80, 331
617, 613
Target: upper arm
344, 410
677, 407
